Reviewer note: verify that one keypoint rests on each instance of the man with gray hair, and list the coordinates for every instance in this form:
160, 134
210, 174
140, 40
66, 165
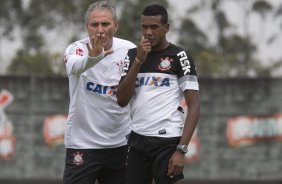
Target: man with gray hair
97, 127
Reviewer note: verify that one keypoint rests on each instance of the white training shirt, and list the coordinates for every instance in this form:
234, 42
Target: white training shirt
95, 120
159, 87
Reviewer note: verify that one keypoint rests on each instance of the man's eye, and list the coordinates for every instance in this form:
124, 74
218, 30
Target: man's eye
104, 24
154, 27
94, 24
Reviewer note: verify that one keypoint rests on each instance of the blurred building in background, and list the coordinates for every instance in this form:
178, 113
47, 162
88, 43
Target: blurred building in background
238, 135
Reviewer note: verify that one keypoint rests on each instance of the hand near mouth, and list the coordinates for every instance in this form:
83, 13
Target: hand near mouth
143, 49
95, 48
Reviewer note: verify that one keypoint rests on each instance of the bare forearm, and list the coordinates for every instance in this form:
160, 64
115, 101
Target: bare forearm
189, 126
193, 101
126, 87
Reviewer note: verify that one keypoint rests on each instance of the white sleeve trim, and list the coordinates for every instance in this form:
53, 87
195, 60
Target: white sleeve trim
189, 85
92, 61
79, 64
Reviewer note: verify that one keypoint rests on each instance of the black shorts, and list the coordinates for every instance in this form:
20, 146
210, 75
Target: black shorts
86, 166
148, 159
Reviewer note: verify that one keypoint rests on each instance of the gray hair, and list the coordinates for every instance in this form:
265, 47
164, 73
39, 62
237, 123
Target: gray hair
101, 5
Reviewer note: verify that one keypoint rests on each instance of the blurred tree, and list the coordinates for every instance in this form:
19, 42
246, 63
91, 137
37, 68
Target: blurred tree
231, 54
210, 64
239, 54
208, 60
262, 7
9, 13
278, 13
192, 37
219, 18
37, 20
42, 17
222, 23
31, 64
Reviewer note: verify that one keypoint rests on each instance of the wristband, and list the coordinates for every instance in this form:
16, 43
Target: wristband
138, 61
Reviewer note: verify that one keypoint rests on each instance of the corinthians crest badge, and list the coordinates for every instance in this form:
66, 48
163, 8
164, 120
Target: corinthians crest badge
77, 159
165, 64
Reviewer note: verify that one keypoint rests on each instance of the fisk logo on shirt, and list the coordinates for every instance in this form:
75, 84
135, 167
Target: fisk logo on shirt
99, 89
152, 81
185, 63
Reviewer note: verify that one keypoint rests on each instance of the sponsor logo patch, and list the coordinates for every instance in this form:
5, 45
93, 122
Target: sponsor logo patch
99, 89
152, 81
79, 51
185, 63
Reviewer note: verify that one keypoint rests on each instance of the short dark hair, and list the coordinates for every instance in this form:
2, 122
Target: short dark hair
156, 9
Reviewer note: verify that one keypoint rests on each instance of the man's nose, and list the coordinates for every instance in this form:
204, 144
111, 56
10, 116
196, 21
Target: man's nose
100, 29
148, 31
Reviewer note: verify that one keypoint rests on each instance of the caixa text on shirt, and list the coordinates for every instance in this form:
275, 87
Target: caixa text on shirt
152, 81
99, 89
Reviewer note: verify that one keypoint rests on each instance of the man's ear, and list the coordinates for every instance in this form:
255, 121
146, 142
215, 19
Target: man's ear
116, 26
167, 27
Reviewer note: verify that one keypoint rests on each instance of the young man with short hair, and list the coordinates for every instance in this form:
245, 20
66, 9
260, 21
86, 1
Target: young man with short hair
156, 76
